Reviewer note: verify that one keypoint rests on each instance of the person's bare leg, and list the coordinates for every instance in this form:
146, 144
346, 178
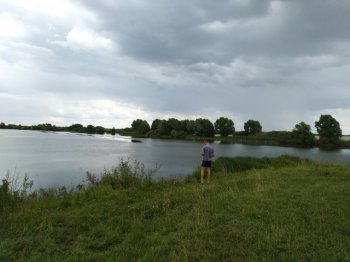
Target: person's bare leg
202, 175
209, 173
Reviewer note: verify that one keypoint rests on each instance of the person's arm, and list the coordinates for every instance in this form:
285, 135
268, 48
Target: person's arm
201, 153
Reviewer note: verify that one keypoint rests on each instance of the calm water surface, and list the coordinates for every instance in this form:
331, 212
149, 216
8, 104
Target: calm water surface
55, 159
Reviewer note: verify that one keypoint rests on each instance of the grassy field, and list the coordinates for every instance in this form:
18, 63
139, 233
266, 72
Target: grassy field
345, 138
282, 209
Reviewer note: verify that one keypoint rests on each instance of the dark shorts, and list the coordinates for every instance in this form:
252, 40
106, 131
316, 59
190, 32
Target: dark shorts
206, 163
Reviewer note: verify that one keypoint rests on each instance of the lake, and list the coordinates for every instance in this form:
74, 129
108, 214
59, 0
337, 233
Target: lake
56, 159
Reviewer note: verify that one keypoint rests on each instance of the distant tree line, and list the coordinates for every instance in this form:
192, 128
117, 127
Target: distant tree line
90, 129
174, 128
200, 127
77, 128
327, 127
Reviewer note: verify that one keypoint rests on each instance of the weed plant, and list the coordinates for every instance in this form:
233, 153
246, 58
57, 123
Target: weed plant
12, 192
124, 175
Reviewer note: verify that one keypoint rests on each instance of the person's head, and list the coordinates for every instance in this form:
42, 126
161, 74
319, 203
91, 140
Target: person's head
206, 141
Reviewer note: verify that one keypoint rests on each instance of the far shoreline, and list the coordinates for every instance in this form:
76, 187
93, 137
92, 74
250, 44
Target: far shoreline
255, 140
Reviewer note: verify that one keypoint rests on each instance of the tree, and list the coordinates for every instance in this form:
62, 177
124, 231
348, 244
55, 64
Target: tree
191, 127
164, 128
204, 127
252, 127
76, 128
329, 129
2, 125
155, 124
44, 127
113, 131
302, 135
100, 130
140, 126
174, 124
183, 126
224, 126
90, 129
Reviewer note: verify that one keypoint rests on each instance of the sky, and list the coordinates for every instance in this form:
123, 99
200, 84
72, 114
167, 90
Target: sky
109, 62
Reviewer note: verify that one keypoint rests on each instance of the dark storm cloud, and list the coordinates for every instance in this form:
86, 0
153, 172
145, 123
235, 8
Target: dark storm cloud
174, 31
170, 31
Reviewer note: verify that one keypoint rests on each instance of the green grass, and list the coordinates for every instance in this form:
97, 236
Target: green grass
283, 209
345, 138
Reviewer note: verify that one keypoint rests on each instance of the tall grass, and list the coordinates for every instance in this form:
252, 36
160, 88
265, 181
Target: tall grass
232, 165
281, 209
240, 164
12, 191
124, 175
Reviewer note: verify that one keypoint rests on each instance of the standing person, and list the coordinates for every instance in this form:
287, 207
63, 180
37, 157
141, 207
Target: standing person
207, 153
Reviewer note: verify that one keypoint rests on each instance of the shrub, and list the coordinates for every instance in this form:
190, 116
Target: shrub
124, 175
12, 192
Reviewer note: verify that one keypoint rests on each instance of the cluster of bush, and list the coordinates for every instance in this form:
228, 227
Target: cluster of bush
174, 128
13, 191
328, 129
90, 129
78, 128
200, 127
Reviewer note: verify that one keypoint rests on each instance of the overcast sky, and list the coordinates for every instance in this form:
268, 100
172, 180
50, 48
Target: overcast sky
108, 62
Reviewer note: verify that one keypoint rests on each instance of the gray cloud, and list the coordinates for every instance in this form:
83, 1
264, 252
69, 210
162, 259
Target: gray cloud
280, 62
159, 31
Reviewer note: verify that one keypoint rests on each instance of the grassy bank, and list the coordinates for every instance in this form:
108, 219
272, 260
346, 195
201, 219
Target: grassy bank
282, 209
272, 138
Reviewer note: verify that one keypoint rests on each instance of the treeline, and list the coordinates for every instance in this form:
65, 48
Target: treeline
77, 128
201, 127
327, 127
